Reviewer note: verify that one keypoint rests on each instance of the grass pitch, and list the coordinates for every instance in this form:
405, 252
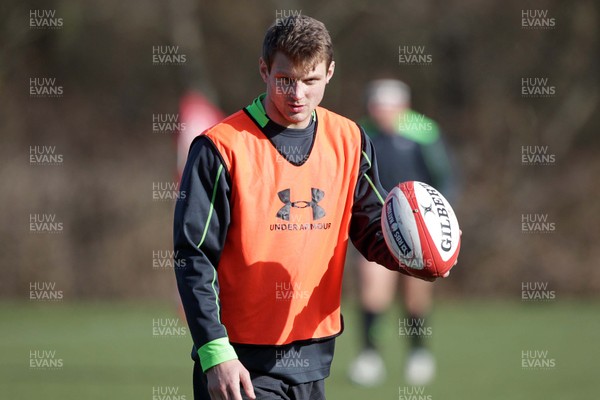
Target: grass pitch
112, 350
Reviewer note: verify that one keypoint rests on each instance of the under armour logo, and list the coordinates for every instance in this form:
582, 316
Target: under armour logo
317, 211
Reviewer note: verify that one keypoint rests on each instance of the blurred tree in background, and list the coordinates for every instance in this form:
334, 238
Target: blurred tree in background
102, 192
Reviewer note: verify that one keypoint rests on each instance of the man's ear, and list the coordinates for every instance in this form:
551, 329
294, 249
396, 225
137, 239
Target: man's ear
263, 69
330, 71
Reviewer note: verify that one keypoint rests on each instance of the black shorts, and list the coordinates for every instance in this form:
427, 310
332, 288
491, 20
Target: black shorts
265, 387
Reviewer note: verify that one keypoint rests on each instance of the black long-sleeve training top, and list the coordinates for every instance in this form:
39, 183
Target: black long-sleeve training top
202, 197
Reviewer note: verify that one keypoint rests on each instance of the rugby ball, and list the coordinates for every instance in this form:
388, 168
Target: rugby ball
421, 230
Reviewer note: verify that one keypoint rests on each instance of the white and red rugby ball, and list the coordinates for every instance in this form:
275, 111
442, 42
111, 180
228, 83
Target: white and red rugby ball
421, 229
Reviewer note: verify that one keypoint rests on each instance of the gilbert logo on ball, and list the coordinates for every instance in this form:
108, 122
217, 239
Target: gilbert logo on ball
421, 229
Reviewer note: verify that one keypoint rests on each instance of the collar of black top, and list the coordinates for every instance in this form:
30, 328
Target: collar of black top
257, 111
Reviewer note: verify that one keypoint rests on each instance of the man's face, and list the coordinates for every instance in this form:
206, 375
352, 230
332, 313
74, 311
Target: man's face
292, 93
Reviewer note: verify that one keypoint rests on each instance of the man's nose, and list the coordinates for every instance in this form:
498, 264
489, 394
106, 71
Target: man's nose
298, 90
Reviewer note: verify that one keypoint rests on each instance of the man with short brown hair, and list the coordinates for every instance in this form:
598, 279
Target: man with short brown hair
273, 193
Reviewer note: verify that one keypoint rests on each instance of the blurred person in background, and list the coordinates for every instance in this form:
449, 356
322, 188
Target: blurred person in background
409, 147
